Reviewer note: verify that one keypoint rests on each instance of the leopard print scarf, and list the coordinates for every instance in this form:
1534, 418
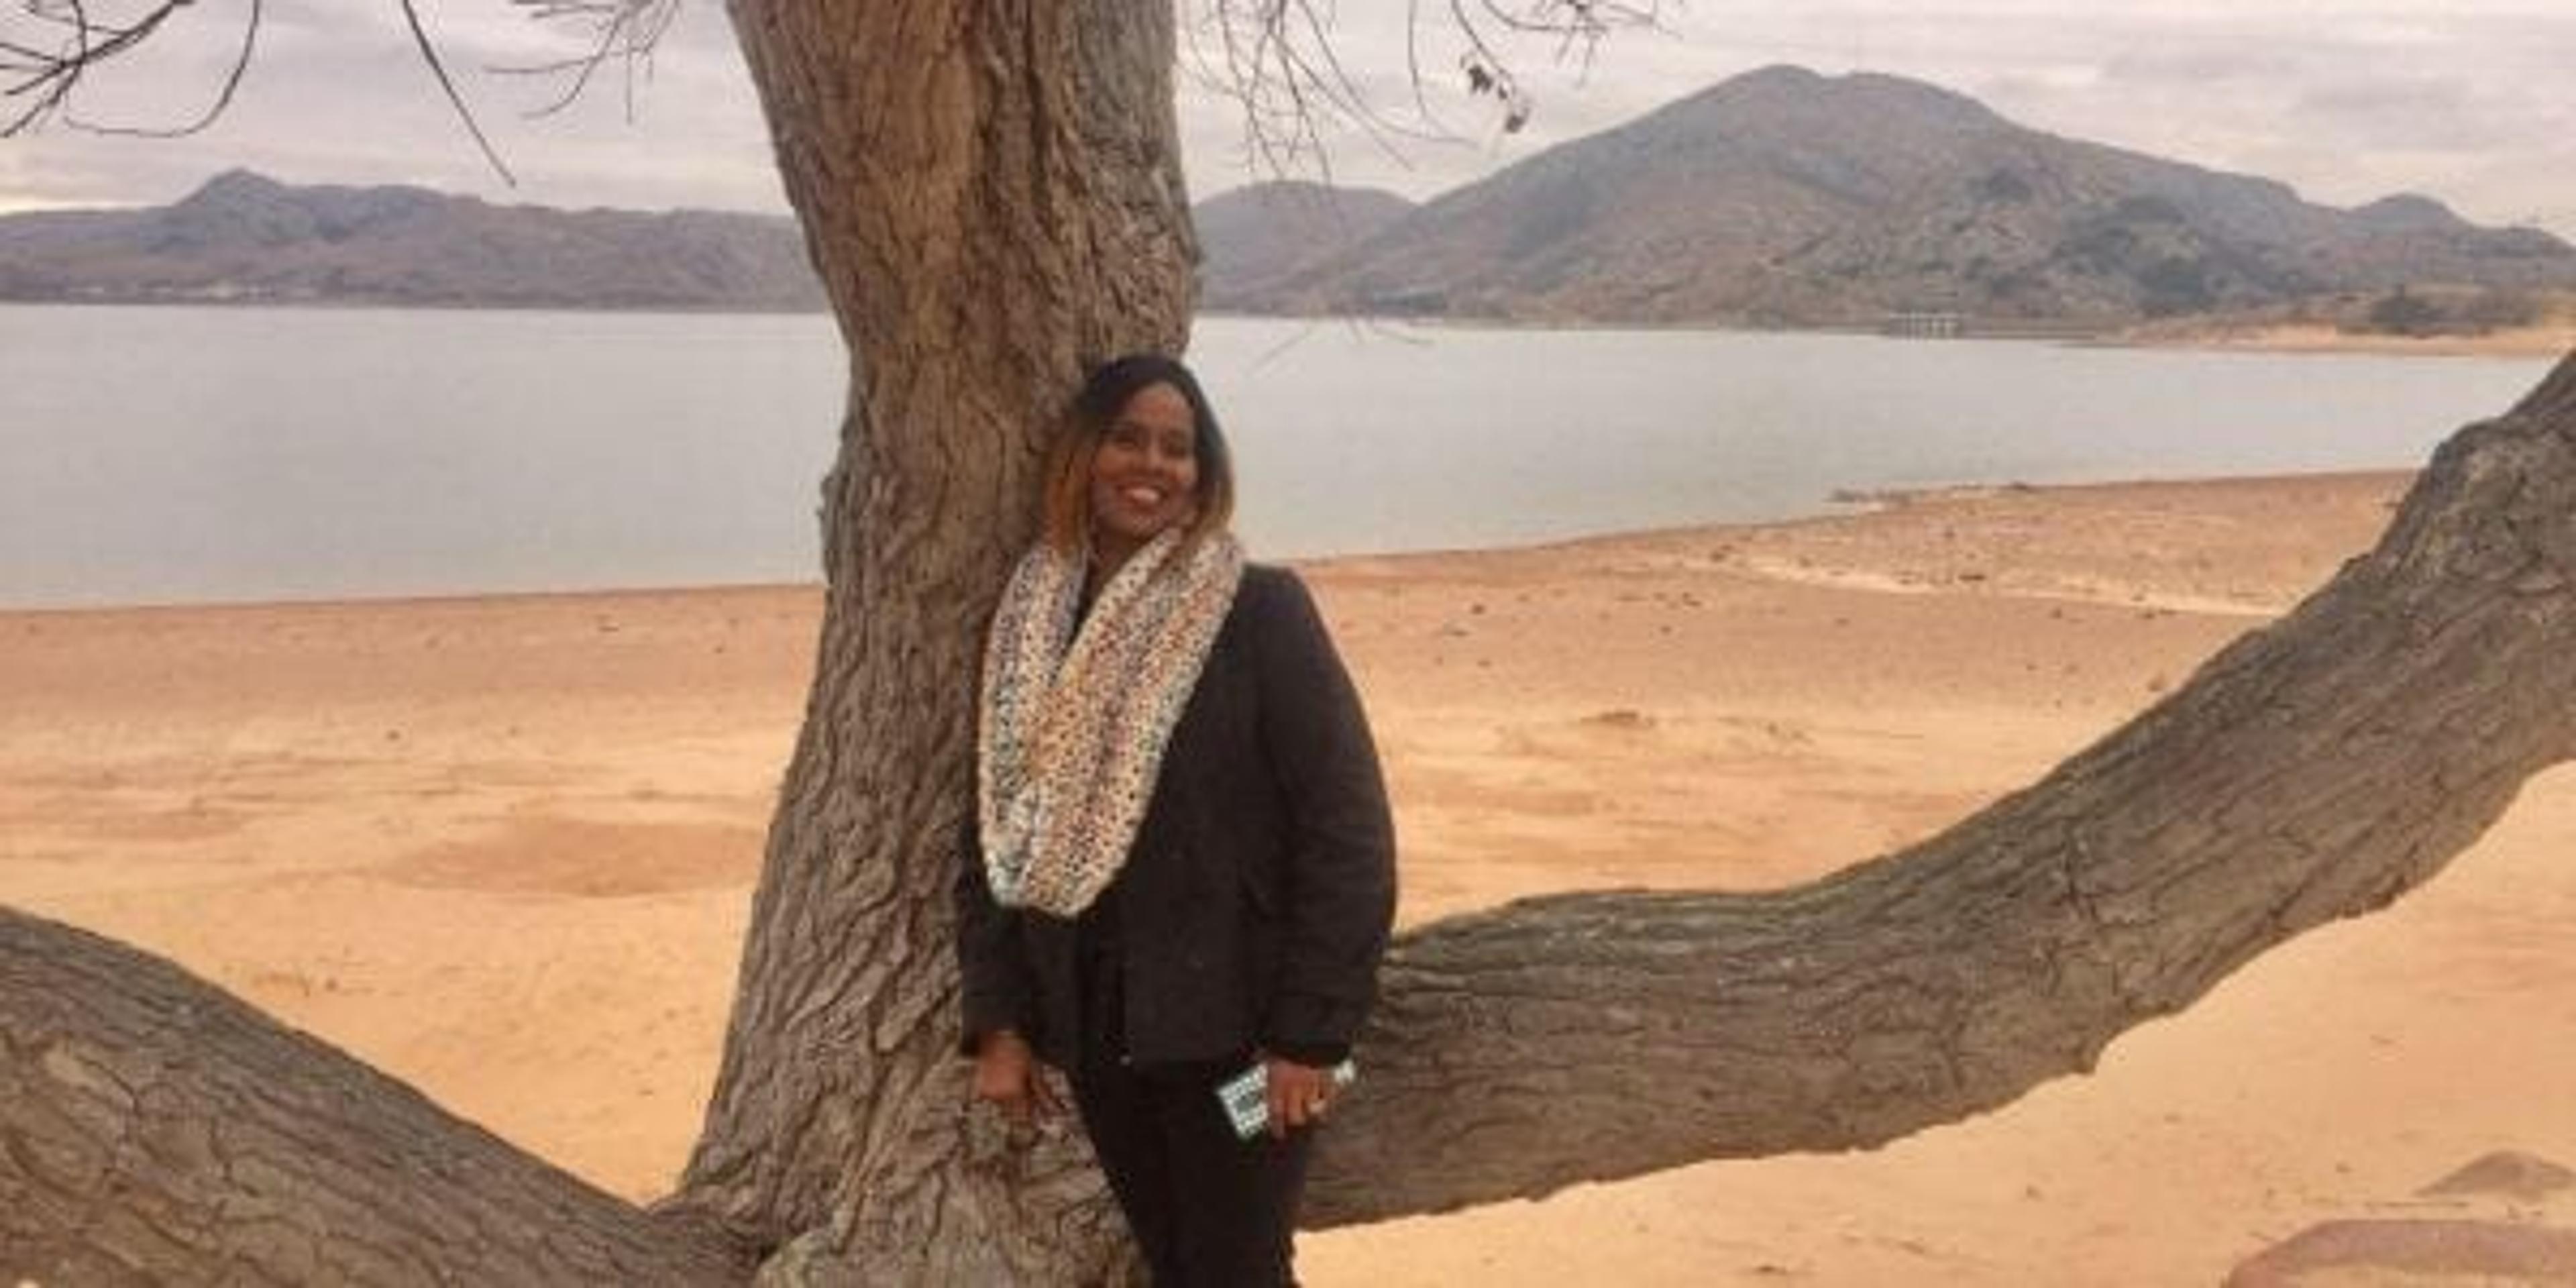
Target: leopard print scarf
1072, 723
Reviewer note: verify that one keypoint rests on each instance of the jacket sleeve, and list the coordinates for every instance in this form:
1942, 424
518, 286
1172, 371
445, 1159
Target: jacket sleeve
991, 961
1338, 882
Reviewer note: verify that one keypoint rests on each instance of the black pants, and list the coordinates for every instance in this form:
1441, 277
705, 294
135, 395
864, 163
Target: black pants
1210, 1210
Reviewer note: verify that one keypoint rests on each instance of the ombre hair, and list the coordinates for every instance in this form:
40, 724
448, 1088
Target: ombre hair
1066, 512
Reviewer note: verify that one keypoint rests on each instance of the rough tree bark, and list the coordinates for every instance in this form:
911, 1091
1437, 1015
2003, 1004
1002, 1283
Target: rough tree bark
156, 1130
2315, 769
991, 188
992, 192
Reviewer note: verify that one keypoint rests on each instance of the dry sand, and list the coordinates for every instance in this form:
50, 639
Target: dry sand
2547, 339
503, 848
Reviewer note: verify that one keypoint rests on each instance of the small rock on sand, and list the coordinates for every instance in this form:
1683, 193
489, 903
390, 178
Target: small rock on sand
1627, 719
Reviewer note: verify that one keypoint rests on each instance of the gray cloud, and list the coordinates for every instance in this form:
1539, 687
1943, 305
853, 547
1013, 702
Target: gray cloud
2345, 99
338, 94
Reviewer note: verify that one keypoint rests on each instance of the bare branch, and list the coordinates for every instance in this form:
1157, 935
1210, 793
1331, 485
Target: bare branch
625, 31
223, 96
1413, 66
1277, 60
39, 75
50, 76
438, 68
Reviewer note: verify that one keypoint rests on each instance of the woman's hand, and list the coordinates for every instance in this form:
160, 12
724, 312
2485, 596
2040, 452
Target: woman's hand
1006, 1074
1299, 1094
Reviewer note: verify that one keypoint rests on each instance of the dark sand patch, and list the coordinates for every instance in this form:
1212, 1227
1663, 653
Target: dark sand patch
2509, 1173
2491, 1254
554, 855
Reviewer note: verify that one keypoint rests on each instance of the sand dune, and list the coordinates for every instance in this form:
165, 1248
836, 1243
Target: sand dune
504, 847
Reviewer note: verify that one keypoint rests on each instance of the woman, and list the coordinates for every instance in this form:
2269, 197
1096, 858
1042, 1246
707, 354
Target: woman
1185, 866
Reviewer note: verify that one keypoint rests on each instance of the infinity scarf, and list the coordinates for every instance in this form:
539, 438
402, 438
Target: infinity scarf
1072, 724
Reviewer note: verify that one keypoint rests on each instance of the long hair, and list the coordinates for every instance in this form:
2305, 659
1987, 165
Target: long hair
1066, 513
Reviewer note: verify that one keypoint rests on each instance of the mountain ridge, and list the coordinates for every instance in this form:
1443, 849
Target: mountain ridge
242, 237
1787, 197
1779, 197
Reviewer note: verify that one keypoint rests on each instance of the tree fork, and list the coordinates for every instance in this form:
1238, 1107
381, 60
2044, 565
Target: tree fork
991, 190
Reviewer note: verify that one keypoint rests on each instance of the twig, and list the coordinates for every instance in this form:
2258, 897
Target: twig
223, 96
438, 68
1277, 61
38, 83
629, 31
52, 76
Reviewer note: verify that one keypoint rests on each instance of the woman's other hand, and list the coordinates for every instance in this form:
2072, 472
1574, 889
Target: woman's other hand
1299, 1094
1006, 1075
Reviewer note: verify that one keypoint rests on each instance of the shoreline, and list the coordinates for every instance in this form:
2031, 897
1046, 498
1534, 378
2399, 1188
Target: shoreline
401, 600
2539, 341
2548, 340
1837, 505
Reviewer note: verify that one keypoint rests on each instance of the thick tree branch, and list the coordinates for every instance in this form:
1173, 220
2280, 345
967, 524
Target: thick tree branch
2316, 769
153, 1129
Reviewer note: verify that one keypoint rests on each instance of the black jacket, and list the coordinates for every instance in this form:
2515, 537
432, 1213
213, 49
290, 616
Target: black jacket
1258, 894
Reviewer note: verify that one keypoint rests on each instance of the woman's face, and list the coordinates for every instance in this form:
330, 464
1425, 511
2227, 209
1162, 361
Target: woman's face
1145, 477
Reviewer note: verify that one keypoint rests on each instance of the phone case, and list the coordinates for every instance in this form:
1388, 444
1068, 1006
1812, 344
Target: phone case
1246, 1096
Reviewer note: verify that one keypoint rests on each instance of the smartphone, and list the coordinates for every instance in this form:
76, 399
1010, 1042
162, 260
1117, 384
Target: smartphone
1246, 1096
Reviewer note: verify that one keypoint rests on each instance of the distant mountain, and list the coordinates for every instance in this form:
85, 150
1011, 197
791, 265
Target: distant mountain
1251, 237
1780, 197
244, 238
1787, 197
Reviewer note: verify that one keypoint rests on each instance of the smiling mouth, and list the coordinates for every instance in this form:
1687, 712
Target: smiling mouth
1147, 497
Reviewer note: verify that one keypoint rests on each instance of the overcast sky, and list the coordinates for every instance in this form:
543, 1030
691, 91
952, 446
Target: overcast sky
2469, 101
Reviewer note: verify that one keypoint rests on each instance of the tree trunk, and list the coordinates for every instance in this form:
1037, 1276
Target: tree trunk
991, 189
992, 192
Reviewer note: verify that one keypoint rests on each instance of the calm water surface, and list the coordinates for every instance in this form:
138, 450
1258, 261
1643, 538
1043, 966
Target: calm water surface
190, 455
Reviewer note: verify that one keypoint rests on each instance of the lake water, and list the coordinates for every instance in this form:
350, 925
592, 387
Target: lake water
162, 455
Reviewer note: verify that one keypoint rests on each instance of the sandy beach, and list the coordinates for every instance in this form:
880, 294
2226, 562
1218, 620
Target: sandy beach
503, 848
2550, 338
